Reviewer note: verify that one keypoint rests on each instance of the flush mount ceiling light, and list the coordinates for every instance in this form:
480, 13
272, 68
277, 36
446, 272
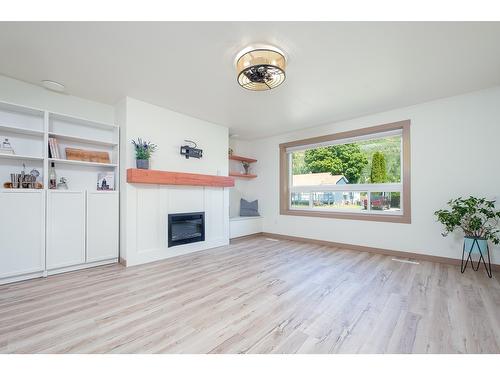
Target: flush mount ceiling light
53, 85
260, 68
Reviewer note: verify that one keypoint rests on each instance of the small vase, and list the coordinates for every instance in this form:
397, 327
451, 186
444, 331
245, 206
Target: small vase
142, 163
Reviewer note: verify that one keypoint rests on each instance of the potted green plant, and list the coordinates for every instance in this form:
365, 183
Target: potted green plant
478, 219
143, 151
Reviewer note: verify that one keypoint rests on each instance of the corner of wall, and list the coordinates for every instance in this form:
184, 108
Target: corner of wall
120, 112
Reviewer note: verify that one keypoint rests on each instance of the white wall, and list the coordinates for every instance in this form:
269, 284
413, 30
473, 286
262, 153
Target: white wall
454, 152
19, 92
144, 208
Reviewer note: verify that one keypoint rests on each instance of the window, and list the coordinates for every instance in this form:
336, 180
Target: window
362, 174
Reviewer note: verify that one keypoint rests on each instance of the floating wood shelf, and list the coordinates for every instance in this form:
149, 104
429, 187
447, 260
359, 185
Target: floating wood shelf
242, 159
235, 174
147, 176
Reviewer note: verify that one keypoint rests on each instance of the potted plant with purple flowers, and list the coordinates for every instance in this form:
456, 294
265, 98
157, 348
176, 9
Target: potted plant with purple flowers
143, 151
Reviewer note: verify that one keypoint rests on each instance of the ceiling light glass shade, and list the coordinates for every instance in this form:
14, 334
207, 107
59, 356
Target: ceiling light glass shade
261, 69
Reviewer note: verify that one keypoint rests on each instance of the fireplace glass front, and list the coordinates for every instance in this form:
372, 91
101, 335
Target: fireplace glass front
186, 228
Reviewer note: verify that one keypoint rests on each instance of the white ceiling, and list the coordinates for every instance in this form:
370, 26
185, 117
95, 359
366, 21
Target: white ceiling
337, 70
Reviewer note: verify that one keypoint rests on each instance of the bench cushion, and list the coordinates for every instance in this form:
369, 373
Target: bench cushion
249, 208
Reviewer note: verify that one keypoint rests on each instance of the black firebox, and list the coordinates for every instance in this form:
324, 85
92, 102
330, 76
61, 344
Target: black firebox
186, 228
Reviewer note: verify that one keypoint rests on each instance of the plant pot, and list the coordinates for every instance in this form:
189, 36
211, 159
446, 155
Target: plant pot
479, 247
476, 244
142, 163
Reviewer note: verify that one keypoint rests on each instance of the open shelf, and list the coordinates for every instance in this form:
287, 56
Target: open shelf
242, 175
18, 130
79, 162
82, 121
20, 157
242, 159
28, 130
72, 138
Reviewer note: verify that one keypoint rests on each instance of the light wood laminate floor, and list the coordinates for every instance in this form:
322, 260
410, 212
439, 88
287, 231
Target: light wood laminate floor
256, 296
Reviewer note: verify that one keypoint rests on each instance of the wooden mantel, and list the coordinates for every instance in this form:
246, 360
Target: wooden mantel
148, 176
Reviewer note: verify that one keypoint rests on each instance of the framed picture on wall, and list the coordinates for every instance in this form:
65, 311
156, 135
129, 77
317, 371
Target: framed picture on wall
106, 181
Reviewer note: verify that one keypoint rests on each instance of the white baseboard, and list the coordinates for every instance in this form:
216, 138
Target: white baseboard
15, 279
81, 266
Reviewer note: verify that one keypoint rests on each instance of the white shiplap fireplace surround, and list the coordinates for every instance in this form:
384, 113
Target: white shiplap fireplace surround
148, 209
144, 208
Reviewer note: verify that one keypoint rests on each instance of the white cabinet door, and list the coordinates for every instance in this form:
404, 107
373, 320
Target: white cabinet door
22, 233
102, 226
65, 229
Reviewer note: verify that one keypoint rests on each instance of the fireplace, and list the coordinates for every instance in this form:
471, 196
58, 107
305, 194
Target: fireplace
186, 228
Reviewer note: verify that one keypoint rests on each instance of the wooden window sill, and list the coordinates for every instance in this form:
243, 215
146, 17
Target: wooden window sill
388, 218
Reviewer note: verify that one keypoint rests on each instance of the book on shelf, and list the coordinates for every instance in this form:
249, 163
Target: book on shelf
56, 147
53, 149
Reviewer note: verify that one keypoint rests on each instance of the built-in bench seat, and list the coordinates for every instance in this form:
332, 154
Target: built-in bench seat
240, 226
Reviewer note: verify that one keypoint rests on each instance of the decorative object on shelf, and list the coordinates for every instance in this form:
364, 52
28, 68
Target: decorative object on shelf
260, 68
63, 184
191, 152
106, 181
143, 151
15, 184
35, 172
230, 152
52, 177
246, 166
479, 220
22, 181
87, 155
6, 147
14, 180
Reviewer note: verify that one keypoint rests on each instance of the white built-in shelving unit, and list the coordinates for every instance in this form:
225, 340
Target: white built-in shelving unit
45, 231
84, 134
28, 131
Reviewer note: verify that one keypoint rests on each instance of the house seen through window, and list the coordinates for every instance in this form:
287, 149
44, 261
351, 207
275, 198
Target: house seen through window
353, 175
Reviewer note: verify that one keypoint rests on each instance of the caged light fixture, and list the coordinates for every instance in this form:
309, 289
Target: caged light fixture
261, 68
